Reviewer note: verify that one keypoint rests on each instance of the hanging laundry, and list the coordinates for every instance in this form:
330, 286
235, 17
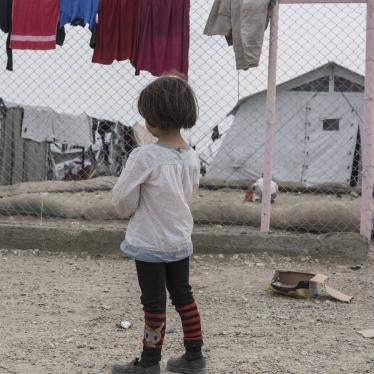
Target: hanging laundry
60, 36
216, 135
34, 24
45, 125
117, 31
5, 15
164, 37
78, 12
243, 23
6, 27
102, 158
123, 142
3, 109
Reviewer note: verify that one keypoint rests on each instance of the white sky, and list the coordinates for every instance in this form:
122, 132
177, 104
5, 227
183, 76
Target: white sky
66, 80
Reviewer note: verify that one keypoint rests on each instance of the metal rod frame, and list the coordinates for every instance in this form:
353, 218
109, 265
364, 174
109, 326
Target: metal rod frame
368, 126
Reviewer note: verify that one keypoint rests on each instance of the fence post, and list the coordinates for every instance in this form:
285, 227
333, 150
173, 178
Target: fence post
368, 128
270, 118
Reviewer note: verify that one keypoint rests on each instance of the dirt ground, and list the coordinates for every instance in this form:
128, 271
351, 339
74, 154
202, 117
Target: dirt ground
59, 313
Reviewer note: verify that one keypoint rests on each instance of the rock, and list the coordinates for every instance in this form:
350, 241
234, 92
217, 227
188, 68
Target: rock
356, 267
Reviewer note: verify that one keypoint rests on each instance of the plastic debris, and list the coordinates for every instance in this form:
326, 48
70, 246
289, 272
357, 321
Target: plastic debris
125, 324
367, 333
171, 331
249, 197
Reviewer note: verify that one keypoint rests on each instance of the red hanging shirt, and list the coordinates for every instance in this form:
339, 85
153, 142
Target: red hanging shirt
34, 24
117, 31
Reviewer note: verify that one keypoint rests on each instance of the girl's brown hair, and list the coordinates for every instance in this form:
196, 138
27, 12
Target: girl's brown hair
169, 102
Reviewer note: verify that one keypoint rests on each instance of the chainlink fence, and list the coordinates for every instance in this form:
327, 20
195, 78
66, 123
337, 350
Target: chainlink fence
317, 142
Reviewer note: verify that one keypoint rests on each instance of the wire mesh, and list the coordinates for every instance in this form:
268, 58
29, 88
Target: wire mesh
90, 114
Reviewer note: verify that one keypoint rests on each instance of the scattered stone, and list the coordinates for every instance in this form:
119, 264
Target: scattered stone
356, 267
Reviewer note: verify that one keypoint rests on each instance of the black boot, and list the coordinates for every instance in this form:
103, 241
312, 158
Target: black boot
136, 367
187, 364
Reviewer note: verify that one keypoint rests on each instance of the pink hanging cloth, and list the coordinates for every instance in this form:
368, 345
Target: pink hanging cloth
34, 24
164, 37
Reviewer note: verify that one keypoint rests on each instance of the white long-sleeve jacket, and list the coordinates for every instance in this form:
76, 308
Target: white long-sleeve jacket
155, 189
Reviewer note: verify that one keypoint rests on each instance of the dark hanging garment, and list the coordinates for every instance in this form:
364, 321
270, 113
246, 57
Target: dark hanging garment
9, 53
3, 109
95, 124
93, 37
60, 36
123, 143
216, 135
116, 31
6, 15
6, 26
130, 140
164, 37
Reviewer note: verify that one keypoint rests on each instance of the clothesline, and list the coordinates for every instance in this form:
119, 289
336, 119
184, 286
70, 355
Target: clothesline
153, 35
154, 38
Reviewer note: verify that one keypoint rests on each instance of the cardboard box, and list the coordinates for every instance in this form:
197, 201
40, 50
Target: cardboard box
304, 285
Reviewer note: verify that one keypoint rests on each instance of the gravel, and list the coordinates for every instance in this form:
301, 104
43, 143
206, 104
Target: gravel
60, 314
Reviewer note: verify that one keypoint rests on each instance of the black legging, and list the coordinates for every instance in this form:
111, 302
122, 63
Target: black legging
154, 279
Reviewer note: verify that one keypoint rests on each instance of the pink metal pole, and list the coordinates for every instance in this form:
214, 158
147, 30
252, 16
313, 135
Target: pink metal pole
368, 130
270, 118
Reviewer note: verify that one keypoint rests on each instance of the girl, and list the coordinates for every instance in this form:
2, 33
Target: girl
156, 188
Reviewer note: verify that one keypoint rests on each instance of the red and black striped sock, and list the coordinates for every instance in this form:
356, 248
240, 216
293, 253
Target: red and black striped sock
193, 338
154, 333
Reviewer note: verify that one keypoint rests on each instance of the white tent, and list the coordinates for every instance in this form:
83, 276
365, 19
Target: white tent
316, 135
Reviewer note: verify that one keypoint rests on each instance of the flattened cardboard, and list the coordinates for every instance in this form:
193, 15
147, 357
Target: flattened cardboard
367, 333
338, 295
304, 285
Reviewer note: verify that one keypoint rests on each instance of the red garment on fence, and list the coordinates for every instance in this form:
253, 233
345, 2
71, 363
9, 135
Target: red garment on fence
34, 24
164, 37
117, 31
